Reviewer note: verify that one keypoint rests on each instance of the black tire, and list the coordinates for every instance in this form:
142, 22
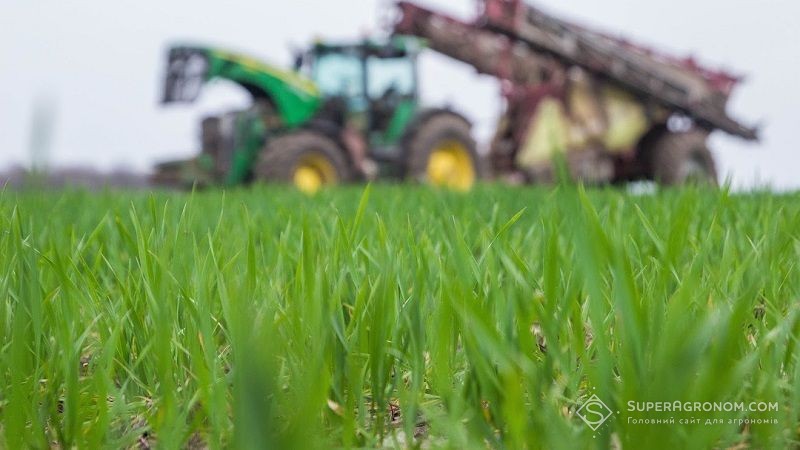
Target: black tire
681, 158
281, 157
428, 134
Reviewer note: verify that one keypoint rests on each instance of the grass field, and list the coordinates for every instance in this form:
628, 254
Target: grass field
397, 317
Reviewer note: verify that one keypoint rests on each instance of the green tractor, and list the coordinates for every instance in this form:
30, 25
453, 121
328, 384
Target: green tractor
346, 113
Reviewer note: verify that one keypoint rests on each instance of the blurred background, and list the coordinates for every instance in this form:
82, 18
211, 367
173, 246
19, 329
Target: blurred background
91, 72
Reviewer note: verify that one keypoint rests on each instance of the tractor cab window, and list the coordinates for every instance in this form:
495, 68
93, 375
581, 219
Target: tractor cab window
391, 83
390, 77
340, 75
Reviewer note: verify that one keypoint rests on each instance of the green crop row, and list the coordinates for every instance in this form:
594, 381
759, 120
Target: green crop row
398, 317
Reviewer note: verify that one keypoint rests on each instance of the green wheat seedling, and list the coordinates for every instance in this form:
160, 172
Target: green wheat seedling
396, 317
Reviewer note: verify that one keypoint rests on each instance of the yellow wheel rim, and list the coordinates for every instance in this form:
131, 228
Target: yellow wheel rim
313, 172
450, 165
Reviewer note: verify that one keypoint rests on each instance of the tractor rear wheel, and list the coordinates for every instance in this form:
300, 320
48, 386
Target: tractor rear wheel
440, 151
308, 160
682, 158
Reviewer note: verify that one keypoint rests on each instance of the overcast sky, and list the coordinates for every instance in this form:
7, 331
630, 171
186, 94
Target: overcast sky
99, 64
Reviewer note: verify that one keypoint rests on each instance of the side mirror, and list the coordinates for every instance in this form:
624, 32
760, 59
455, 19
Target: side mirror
298, 61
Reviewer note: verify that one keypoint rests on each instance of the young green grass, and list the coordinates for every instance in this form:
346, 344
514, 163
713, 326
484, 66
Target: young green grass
397, 317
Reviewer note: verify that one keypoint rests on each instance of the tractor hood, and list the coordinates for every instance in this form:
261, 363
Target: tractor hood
189, 68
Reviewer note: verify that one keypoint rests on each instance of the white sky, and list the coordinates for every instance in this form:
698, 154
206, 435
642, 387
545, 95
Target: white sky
100, 64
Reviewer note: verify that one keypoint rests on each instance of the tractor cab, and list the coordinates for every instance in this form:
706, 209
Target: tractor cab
369, 86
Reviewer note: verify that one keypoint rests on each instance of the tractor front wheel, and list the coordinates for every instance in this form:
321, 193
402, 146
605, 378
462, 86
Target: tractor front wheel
440, 151
308, 160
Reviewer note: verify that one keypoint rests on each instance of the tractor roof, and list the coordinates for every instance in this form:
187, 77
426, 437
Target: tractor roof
393, 47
